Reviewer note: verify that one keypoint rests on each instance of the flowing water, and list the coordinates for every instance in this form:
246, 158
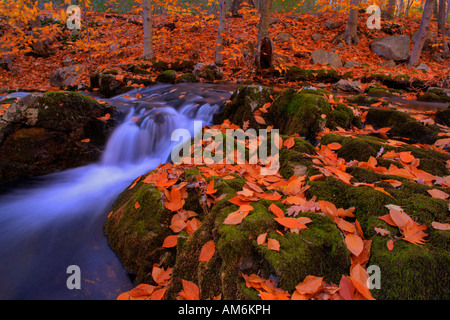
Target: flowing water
52, 222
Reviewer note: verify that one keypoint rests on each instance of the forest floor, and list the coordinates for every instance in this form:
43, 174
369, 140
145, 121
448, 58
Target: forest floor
115, 41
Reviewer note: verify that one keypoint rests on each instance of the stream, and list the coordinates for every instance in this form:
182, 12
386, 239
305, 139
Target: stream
51, 222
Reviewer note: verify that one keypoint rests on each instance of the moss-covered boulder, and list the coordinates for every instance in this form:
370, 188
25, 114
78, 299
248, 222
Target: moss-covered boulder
434, 96
443, 117
402, 125
42, 133
168, 76
306, 112
136, 235
109, 85
299, 74
187, 78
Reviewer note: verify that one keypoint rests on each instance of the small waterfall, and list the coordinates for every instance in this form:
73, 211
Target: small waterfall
59, 221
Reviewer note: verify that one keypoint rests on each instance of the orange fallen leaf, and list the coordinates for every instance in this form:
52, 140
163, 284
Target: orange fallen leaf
406, 157
277, 211
105, 117
390, 245
354, 244
190, 291
438, 194
289, 143
273, 244
210, 188
440, 226
207, 251
334, 146
261, 238
260, 120
137, 205
170, 241
291, 223
87, 140
310, 285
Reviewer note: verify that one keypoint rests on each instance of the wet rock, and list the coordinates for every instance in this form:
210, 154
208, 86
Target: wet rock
168, 76
208, 72
66, 76
42, 133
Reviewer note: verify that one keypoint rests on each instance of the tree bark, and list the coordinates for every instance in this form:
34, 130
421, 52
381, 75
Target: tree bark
264, 45
390, 12
441, 17
148, 30
423, 31
350, 35
236, 6
219, 41
39, 46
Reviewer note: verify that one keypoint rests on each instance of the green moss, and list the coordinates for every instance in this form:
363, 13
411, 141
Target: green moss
245, 100
433, 97
187, 78
168, 76
136, 235
342, 116
410, 271
322, 75
318, 250
402, 125
425, 209
443, 117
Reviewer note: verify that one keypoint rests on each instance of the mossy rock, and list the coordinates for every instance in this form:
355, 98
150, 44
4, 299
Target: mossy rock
401, 82
136, 236
245, 100
342, 116
362, 100
402, 125
187, 78
42, 133
433, 97
168, 76
443, 117
321, 75
109, 86
410, 272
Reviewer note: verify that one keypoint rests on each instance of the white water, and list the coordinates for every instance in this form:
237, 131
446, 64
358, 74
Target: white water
58, 221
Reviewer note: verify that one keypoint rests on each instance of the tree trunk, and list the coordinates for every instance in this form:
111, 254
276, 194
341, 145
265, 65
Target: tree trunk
148, 30
390, 12
448, 10
350, 35
39, 46
423, 31
264, 45
236, 6
219, 41
442, 17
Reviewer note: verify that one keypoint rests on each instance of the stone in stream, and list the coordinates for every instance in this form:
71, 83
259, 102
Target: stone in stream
43, 133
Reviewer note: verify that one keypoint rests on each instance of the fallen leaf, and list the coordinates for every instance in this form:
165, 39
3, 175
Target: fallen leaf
276, 210
273, 244
390, 245
354, 243
440, 226
207, 251
310, 285
438, 194
289, 143
170, 241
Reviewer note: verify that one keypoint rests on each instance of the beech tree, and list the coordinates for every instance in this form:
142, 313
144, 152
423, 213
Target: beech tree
350, 35
390, 12
423, 31
264, 45
219, 41
148, 30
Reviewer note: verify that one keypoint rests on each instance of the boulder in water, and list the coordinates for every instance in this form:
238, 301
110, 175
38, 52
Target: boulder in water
43, 133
